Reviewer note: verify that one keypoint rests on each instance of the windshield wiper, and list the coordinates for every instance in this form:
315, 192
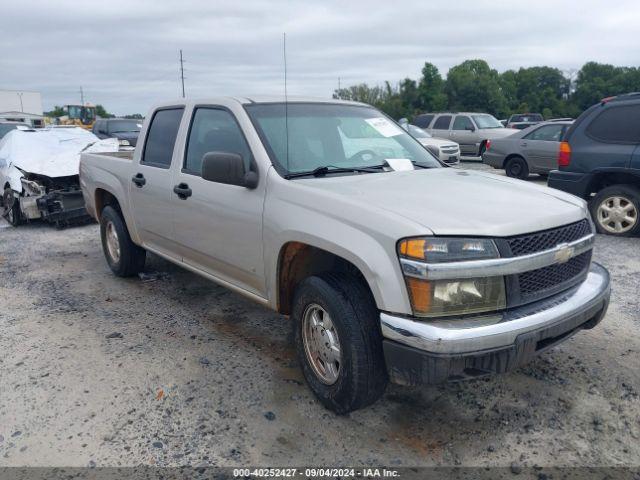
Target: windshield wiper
325, 169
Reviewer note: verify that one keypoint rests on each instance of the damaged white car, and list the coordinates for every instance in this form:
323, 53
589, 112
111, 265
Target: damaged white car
39, 173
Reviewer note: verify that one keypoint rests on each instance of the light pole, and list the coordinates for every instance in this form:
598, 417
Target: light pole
20, 97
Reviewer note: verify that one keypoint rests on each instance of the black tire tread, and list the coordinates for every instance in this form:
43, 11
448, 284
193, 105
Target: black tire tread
370, 376
132, 257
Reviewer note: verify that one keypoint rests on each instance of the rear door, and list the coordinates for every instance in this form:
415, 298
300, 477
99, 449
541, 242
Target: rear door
463, 132
151, 188
540, 147
218, 227
440, 127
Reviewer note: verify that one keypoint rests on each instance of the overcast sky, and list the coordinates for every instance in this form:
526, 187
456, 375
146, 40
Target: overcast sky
125, 53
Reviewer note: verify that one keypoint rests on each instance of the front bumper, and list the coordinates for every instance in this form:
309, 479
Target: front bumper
435, 351
450, 158
62, 207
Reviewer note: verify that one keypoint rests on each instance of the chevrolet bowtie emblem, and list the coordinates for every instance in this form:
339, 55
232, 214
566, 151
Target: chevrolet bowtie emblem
564, 254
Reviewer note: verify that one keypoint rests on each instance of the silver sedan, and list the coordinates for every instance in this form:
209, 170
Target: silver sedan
532, 150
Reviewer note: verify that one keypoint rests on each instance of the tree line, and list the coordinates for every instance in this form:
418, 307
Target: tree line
474, 86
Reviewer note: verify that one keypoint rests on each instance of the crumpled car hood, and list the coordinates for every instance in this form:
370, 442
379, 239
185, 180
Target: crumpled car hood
53, 152
449, 201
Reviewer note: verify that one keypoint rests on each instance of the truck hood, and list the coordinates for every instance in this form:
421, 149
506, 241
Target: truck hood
438, 142
449, 201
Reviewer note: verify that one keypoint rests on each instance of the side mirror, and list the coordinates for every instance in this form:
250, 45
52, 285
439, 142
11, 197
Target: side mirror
228, 168
471, 128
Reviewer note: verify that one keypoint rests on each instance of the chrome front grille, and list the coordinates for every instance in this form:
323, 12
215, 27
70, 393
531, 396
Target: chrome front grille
449, 149
538, 281
536, 284
536, 242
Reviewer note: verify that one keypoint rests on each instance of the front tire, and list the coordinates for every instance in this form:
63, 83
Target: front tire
615, 210
516, 167
11, 205
339, 342
124, 257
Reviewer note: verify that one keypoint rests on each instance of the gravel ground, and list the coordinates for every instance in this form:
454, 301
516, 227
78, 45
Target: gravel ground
173, 370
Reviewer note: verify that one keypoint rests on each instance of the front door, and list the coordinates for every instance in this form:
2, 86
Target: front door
462, 132
150, 186
219, 226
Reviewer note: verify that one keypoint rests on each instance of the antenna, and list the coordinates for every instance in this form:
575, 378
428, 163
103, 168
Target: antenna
286, 107
182, 72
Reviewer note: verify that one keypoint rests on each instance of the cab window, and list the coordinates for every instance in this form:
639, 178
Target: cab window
462, 122
549, 133
214, 130
161, 138
442, 122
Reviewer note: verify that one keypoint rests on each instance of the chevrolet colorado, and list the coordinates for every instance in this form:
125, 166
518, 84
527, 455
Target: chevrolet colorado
392, 265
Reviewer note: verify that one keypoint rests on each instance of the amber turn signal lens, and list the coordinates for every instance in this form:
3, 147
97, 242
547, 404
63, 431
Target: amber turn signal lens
413, 248
420, 292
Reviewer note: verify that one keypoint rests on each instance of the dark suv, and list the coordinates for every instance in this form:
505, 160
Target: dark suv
599, 160
124, 129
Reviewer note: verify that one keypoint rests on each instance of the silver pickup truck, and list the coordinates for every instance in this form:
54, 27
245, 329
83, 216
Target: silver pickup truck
391, 265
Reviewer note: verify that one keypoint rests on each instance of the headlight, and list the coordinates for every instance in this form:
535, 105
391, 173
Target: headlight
432, 298
124, 143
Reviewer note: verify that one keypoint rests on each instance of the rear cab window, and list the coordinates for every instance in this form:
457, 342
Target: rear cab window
550, 133
161, 137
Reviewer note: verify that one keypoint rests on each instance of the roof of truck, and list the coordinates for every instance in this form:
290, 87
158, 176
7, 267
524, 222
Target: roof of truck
247, 100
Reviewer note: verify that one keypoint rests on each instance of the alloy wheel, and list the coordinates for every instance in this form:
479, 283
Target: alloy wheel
113, 244
321, 344
617, 214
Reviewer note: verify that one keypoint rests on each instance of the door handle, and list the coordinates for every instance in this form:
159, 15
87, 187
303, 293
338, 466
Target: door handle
139, 180
183, 191
523, 144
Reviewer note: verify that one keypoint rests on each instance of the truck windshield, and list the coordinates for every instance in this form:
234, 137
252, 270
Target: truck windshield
334, 135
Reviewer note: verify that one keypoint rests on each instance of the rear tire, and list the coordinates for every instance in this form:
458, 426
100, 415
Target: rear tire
616, 210
124, 257
516, 167
11, 206
353, 375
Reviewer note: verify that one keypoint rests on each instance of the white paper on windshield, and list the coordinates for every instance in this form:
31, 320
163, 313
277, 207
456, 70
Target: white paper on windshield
400, 164
384, 127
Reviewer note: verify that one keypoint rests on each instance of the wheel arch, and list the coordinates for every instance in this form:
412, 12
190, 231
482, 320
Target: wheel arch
607, 178
299, 260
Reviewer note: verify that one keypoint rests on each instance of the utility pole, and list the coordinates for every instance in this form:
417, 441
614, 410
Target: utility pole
81, 97
21, 105
182, 72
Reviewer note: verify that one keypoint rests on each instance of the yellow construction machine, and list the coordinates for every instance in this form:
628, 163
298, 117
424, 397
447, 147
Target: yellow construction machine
79, 115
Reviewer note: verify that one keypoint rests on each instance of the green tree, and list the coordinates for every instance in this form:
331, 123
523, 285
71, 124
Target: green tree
431, 89
56, 112
472, 85
102, 113
596, 81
